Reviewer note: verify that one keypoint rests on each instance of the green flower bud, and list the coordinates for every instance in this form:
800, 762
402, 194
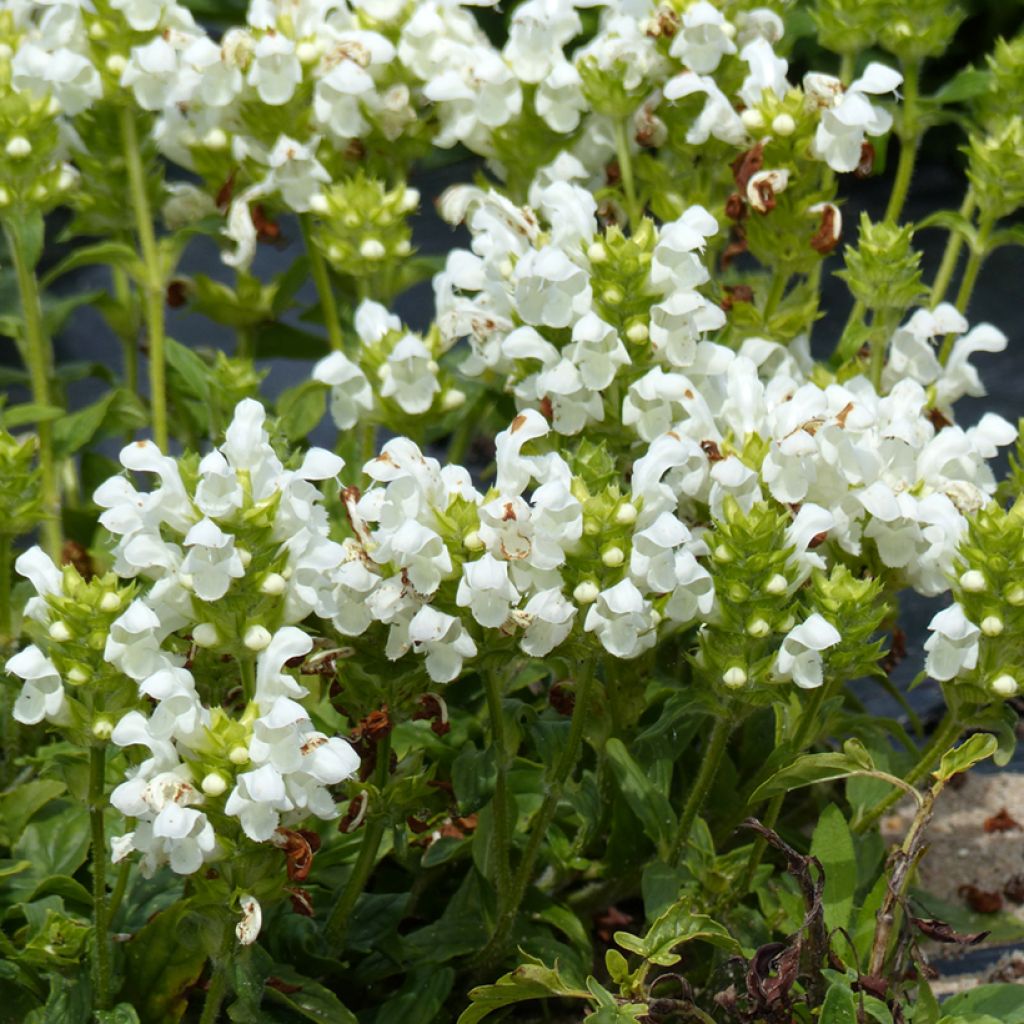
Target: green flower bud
884, 272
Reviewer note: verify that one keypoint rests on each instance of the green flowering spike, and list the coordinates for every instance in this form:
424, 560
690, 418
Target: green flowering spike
920, 29
884, 271
749, 566
615, 90
855, 607
620, 266
1005, 90
363, 228
848, 26
594, 465
20, 499
994, 168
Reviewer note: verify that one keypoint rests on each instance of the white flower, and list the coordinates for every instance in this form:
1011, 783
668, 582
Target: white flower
212, 560
219, 80
767, 72
799, 657
272, 682
141, 15
153, 75
337, 99
257, 801
275, 71
42, 696
694, 591
953, 645
538, 31
443, 640
597, 351
248, 928
69, 76
676, 264
550, 290
559, 99
549, 619
840, 135
487, 591
718, 118
411, 377
420, 551
351, 395
623, 620
133, 644
652, 561
704, 38
654, 403
297, 173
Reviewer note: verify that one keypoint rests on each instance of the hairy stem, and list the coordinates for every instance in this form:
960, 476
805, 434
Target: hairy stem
39, 361
153, 286
968, 281
776, 290
910, 138
97, 804
706, 774
944, 737
625, 159
500, 806
337, 923
952, 252
322, 280
539, 826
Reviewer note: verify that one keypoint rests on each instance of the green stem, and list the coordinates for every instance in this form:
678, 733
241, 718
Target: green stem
539, 826
39, 360
910, 138
337, 922
847, 66
219, 980
944, 737
123, 871
952, 252
879, 342
625, 158
967, 283
717, 742
500, 805
97, 804
129, 342
775, 293
154, 285
322, 280
805, 732
247, 668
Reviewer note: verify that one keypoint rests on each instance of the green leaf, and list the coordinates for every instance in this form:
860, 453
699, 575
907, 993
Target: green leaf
533, 980
673, 928
420, 999
163, 961
975, 748
301, 408
193, 373
965, 85
1003, 1002
70, 1002
67, 888
276, 340
839, 1007
108, 254
29, 412
19, 805
955, 223
806, 771
27, 232
647, 802
117, 412
56, 844
832, 844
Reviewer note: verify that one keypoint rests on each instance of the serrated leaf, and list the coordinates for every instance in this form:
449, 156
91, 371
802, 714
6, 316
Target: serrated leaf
832, 844
975, 748
533, 980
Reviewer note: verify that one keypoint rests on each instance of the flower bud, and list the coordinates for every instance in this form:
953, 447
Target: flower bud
626, 514
205, 635
307, 52
18, 148
752, 119
597, 253
758, 628
472, 542
992, 625
637, 333
372, 249
102, 729
110, 602
115, 64
244, 556
319, 204
973, 581
59, 631
783, 124
1004, 685
777, 585
213, 784
735, 677
722, 553
238, 755
1015, 595
612, 295
273, 585
77, 675
585, 592
216, 139
257, 638
453, 398
613, 557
